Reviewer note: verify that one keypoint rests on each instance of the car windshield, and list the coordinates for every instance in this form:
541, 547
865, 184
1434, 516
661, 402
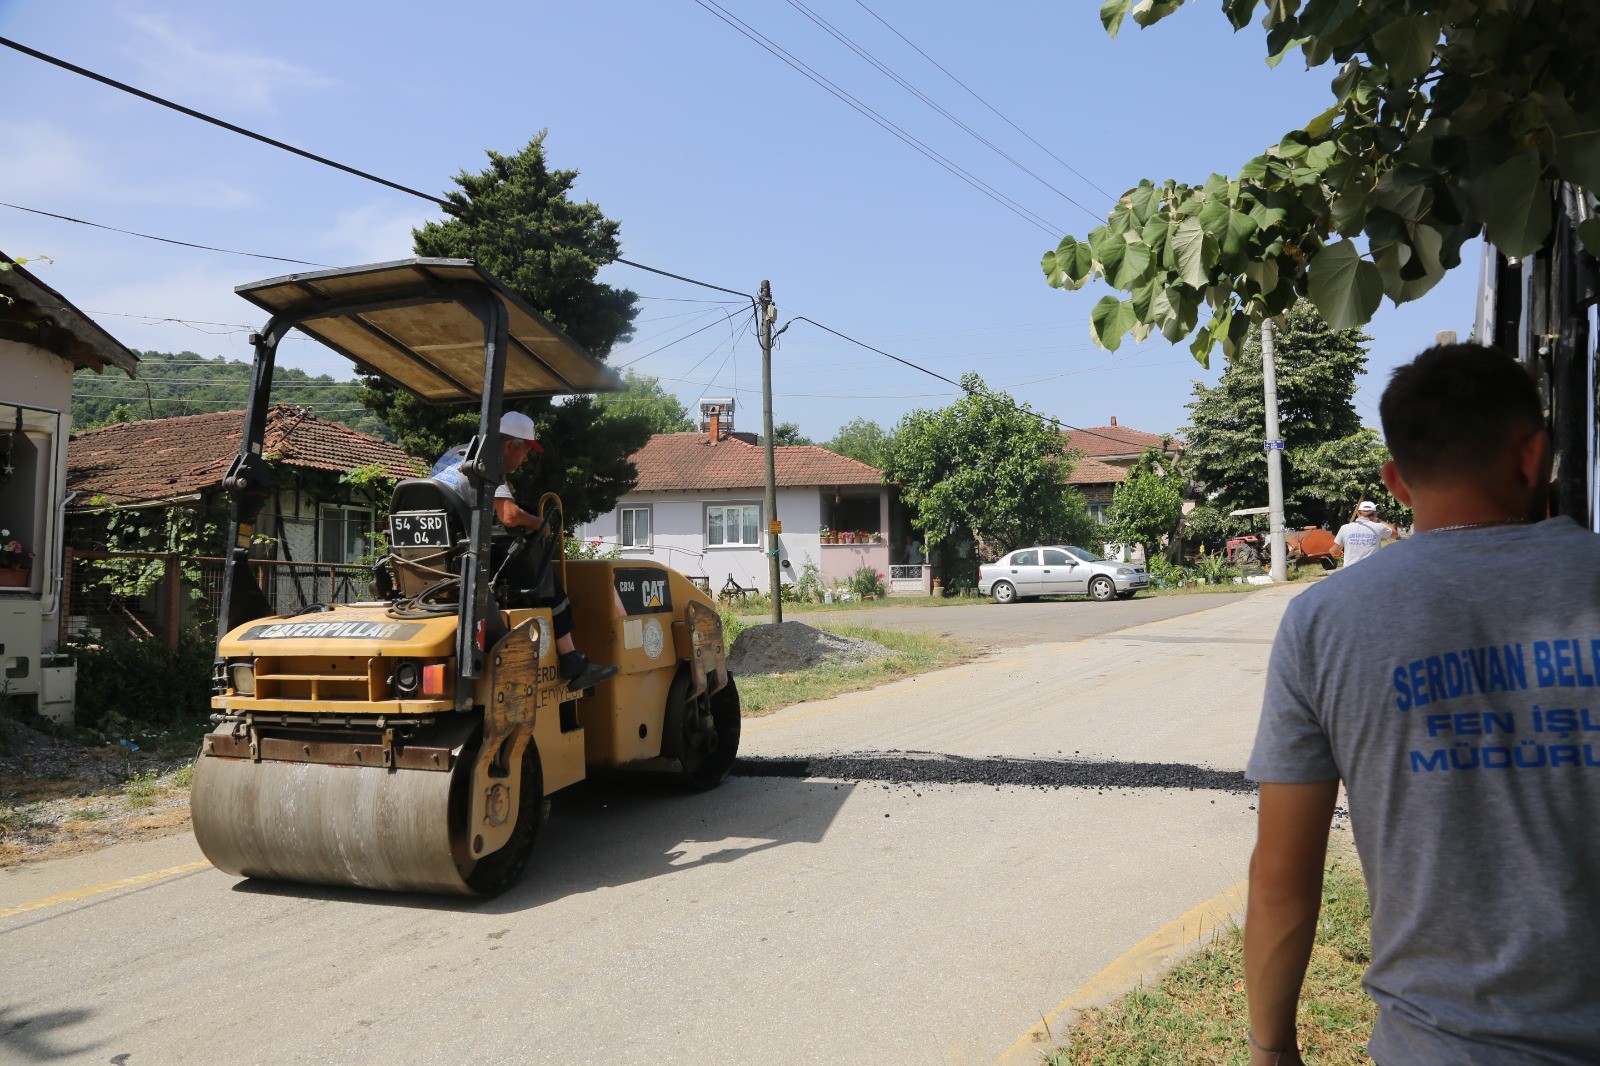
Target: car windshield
1087, 557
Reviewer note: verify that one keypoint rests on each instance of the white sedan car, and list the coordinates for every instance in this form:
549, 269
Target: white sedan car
1059, 571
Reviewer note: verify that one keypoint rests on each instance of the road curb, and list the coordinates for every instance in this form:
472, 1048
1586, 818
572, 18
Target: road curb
1146, 961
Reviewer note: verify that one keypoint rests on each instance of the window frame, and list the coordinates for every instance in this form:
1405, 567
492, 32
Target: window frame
343, 510
725, 506
650, 527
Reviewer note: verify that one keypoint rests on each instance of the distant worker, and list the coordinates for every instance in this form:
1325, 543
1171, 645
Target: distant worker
1462, 728
519, 438
1363, 535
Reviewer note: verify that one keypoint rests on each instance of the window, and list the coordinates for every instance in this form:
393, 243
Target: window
633, 527
739, 524
1027, 558
1054, 558
1097, 511
344, 533
1085, 556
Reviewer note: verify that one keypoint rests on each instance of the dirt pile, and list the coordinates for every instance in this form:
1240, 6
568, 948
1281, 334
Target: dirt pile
790, 646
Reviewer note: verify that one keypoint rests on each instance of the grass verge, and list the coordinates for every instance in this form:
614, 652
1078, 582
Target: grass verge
1196, 1014
914, 653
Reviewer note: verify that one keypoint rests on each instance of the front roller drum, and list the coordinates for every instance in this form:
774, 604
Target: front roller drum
326, 824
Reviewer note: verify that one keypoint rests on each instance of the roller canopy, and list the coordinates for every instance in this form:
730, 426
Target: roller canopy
422, 337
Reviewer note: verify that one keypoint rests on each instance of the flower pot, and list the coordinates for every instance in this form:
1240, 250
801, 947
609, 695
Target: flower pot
15, 579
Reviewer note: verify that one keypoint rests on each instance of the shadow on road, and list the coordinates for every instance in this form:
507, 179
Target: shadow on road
30, 1038
625, 829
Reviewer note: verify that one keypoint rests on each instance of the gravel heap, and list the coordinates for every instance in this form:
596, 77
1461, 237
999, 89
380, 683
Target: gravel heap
790, 646
918, 768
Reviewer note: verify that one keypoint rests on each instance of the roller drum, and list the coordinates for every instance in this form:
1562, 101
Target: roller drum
325, 824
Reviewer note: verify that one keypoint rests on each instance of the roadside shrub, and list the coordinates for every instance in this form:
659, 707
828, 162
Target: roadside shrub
867, 581
1214, 568
125, 683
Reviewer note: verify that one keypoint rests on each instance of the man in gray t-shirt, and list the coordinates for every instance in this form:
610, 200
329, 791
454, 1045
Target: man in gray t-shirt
1467, 738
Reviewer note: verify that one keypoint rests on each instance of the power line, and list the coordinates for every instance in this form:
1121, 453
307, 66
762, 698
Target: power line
445, 204
845, 40
680, 340
986, 103
935, 374
163, 240
788, 58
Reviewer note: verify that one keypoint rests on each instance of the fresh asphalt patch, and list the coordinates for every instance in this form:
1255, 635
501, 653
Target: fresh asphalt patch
931, 768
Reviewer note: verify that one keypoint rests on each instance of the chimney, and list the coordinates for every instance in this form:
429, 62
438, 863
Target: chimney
716, 417
1113, 420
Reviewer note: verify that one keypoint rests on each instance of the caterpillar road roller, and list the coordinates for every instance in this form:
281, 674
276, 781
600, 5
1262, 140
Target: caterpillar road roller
410, 742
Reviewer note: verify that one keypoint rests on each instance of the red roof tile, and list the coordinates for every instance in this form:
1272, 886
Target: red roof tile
1094, 472
688, 461
1105, 441
160, 458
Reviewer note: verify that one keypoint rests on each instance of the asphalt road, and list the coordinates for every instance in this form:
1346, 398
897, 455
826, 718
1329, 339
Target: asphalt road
1018, 625
884, 913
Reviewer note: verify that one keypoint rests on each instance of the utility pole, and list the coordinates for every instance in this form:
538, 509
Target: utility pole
1274, 444
769, 315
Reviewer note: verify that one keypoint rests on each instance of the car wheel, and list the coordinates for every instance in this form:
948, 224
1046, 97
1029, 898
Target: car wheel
1004, 592
1101, 589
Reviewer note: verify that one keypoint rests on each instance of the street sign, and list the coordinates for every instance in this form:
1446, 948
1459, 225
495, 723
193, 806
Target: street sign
1274, 445
775, 527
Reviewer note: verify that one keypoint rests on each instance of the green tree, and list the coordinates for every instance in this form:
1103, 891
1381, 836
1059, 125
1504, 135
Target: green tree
984, 468
785, 433
1449, 119
864, 440
647, 402
516, 219
1326, 451
1148, 505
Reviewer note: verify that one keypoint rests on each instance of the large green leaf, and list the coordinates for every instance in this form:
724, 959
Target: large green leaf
1136, 261
1189, 248
1407, 44
1345, 288
1514, 204
1109, 321
1112, 12
1578, 149
1069, 266
1237, 233
1109, 250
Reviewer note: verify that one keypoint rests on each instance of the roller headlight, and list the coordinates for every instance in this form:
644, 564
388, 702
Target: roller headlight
242, 676
407, 677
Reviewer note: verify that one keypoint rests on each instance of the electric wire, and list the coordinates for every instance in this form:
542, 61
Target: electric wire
445, 204
789, 59
669, 344
163, 240
986, 103
883, 68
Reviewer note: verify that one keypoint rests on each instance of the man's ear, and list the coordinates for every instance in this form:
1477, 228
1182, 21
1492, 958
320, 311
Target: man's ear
1534, 459
1395, 484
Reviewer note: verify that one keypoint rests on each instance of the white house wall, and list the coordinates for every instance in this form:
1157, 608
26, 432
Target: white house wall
30, 503
678, 534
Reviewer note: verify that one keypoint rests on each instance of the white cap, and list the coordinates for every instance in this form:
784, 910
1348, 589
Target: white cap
1367, 507
516, 424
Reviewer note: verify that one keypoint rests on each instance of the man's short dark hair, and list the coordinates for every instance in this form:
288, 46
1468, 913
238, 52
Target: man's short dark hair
1455, 409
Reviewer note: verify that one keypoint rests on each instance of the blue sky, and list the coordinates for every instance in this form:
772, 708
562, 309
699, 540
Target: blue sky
719, 161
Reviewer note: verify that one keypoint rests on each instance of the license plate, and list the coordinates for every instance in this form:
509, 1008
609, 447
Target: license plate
418, 529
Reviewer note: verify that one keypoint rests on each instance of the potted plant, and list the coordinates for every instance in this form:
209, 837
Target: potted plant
16, 563
825, 535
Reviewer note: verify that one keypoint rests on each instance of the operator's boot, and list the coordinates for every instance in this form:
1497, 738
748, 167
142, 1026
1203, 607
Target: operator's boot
580, 673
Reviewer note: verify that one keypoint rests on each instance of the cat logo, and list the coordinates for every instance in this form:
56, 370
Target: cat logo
654, 592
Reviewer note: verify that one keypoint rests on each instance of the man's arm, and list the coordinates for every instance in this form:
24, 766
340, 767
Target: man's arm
511, 516
1281, 917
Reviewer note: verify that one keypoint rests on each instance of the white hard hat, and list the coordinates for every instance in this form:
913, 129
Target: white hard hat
516, 424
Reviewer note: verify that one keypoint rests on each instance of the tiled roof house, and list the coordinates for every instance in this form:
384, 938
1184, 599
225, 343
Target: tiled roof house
1105, 454
180, 462
699, 508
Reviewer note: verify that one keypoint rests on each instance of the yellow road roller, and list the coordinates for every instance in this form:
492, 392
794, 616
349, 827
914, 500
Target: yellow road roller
410, 742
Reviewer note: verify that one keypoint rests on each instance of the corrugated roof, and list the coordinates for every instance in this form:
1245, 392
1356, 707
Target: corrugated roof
1100, 442
161, 458
689, 461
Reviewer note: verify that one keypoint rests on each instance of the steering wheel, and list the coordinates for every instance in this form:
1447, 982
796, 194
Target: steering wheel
551, 515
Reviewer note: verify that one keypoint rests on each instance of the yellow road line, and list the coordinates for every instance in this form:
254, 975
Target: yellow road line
109, 886
1149, 956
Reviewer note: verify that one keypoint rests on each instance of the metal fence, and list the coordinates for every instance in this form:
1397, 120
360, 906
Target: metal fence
157, 596
910, 579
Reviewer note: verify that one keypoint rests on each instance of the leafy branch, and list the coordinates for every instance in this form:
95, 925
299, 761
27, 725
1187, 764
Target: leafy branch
1451, 119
